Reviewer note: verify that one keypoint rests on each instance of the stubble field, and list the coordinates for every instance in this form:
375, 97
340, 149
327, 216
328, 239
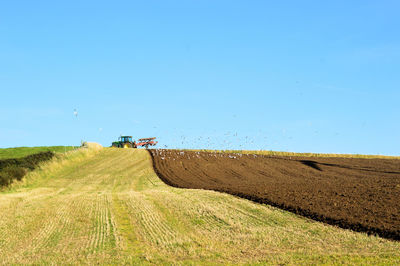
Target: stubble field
110, 207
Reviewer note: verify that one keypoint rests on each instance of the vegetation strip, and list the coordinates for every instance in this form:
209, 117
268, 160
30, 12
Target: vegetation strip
358, 194
15, 169
19, 152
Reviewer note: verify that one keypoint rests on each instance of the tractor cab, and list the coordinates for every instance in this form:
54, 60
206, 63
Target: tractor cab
125, 139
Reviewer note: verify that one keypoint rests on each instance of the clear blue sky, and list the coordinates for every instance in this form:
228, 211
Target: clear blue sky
303, 76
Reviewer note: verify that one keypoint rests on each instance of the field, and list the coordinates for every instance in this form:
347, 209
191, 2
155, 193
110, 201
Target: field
298, 154
360, 194
110, 207
10, 153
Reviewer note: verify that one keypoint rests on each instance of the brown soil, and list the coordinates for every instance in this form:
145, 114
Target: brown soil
358, 194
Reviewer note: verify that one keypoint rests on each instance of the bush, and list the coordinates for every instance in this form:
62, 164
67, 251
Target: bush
9, 173
11, 169
5, 179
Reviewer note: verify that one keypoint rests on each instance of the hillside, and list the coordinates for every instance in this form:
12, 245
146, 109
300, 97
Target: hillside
19, 152
110, 207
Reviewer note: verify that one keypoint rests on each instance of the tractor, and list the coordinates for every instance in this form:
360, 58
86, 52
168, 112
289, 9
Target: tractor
127, 142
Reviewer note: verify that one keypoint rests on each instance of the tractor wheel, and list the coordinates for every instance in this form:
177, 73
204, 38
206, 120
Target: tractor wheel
127, 145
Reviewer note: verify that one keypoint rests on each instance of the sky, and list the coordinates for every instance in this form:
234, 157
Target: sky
301, 76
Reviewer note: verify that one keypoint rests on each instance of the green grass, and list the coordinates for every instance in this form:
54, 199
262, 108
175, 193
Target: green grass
19, 152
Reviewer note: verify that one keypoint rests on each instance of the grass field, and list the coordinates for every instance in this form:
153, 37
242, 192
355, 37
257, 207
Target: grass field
109, 207
9, 153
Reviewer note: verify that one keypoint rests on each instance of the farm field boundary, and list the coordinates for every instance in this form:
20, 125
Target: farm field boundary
19, 152
352, 193
16, 169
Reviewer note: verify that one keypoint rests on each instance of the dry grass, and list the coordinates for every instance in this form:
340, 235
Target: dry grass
108, 207
92, 145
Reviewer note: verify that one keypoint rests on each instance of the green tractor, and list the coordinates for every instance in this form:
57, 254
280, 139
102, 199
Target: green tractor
127, 142
124, 142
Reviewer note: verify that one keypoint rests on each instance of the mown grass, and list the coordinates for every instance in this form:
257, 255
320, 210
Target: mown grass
109, 207
19, 152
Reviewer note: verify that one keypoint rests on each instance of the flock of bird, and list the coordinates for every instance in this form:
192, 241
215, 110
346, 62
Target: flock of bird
173, 154
213, 140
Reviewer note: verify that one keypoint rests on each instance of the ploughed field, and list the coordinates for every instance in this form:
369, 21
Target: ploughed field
108, 206
358, 194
